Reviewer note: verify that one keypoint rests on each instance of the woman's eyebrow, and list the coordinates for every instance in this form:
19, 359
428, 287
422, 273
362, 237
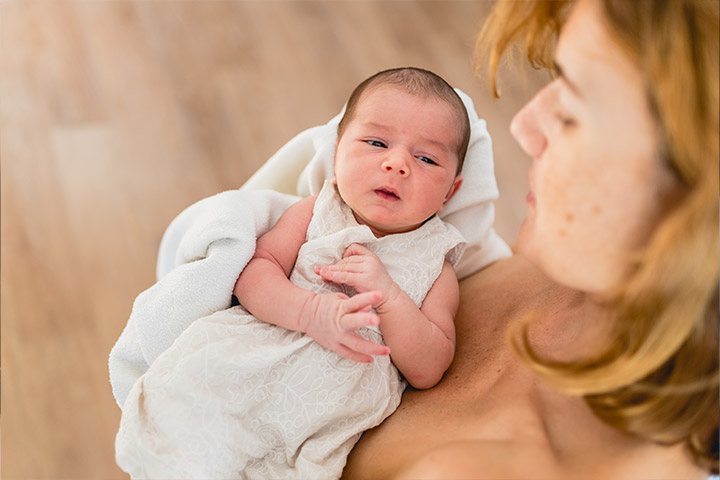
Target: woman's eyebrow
558, 70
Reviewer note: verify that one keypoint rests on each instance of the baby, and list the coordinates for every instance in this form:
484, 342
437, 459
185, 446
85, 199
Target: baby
348, 288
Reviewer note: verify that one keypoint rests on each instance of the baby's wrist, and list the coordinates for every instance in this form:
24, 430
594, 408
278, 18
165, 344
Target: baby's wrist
307, 312
390, 296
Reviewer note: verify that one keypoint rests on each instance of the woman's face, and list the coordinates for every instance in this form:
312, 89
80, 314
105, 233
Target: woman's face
597, 185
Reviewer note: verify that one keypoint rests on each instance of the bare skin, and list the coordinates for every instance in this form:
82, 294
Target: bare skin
597, 188
490, 410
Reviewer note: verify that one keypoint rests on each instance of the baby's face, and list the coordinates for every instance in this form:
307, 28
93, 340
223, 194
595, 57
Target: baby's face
395, 163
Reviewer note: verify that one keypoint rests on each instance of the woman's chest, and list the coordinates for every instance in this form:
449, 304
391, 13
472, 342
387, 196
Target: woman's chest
497, 400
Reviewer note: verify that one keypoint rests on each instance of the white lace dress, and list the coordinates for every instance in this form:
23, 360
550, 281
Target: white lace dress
235, 397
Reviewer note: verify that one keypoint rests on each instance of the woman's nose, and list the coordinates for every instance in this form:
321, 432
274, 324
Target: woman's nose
528, 126
396, 161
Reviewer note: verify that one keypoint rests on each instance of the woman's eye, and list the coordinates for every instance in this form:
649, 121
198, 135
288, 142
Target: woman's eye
564, 120
376, 143
427, 160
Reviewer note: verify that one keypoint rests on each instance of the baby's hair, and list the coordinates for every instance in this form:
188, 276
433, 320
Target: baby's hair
415, 81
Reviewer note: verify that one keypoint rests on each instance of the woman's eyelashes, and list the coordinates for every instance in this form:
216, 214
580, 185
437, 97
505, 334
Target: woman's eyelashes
564, 119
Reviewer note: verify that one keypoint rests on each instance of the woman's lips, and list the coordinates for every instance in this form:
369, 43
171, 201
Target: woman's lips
530, 198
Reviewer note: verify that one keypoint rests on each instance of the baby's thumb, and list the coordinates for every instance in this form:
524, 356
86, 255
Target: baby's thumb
355, 249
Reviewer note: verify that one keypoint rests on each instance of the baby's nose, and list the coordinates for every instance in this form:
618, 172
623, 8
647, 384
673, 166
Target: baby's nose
396, 161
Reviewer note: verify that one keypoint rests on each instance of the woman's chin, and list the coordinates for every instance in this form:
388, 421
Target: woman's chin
524, 238
528, 246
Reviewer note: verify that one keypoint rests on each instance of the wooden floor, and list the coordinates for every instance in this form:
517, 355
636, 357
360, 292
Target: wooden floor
115, 115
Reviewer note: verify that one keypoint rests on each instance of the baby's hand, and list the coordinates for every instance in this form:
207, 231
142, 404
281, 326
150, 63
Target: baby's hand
361, 269
332, 318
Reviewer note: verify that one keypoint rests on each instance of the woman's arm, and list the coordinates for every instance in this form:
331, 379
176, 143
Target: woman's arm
264, 289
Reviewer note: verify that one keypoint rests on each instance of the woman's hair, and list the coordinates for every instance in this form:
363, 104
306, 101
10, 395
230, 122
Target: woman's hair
415, 81
658, 378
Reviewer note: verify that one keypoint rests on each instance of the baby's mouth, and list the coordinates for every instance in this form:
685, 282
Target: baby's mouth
387, 194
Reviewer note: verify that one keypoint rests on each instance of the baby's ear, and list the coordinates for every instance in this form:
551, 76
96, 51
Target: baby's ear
457, 183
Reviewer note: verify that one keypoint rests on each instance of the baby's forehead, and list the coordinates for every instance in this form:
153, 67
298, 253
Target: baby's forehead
392, 94
391, 89
426, 109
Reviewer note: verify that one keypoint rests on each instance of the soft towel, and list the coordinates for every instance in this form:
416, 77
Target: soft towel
218, 241
206, 247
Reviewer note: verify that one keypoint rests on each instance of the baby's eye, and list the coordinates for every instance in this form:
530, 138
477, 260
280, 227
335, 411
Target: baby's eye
427, 160
376, 143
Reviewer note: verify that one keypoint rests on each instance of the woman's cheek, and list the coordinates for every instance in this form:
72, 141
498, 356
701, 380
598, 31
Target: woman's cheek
559, 242
555, 203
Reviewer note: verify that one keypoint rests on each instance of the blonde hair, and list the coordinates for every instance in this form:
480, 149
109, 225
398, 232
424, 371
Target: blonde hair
658, 378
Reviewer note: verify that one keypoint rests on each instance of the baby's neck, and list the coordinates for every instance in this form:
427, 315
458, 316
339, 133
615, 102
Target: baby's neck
379, 233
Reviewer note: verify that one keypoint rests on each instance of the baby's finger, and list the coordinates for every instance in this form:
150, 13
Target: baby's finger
360, 345
345, 352
355, 249
347, 264
338, 273
353, 321
362, 300
330, 274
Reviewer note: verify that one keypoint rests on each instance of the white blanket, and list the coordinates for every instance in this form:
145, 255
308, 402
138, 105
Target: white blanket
206, 247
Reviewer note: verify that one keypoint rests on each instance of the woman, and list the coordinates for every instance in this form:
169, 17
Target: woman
611, 368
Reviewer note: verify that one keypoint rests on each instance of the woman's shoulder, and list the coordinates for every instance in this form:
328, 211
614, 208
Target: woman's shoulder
496, 459
515, 269
510, 284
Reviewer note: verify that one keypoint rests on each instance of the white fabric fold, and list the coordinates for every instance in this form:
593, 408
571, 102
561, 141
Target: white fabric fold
218, 240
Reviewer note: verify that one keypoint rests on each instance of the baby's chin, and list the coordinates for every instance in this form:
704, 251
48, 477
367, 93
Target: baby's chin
380, 230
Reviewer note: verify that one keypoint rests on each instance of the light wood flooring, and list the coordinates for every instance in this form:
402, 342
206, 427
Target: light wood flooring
115, 115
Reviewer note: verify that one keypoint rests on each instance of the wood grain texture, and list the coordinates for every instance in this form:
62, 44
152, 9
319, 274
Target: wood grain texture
115, 115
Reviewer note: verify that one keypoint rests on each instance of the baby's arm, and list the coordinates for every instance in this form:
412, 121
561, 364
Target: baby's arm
264, 289
421, 341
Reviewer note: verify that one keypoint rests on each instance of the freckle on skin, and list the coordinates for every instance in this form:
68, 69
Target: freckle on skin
562, 232
595, 209
569, 217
